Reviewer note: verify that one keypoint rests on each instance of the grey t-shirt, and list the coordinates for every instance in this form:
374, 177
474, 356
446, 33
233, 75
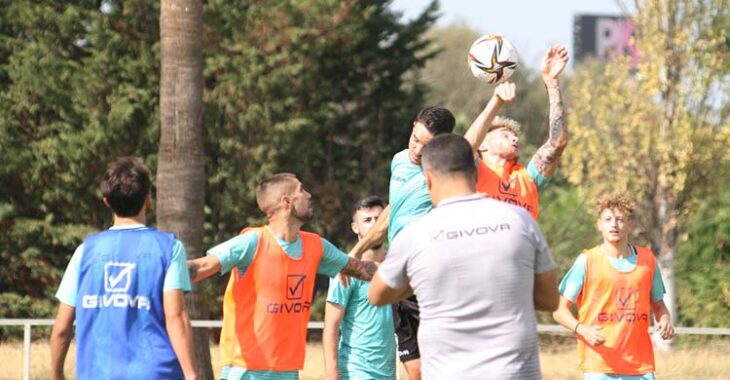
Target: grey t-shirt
471, 263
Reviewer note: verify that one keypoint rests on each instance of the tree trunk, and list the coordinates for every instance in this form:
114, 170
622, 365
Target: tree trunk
180, 171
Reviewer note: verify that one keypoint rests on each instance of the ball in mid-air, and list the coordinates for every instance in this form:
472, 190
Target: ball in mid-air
492, 58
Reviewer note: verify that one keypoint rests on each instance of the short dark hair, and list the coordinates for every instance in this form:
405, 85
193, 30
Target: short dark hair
126, 185
449, 154
437, 120
271, 189
368, 202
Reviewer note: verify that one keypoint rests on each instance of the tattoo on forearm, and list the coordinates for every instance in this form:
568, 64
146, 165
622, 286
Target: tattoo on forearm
362, 270
556, 115
546, 158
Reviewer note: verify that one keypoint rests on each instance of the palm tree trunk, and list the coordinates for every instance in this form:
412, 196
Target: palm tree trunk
181, 177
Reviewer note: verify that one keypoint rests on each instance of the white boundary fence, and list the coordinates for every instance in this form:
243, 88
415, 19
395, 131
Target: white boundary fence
28, 323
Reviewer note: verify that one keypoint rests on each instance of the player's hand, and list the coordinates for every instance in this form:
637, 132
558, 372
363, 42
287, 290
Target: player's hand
344, 279
504, 93
665, 329
591, 334
553, 64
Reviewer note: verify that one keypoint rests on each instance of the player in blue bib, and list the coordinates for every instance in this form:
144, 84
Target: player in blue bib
124, 288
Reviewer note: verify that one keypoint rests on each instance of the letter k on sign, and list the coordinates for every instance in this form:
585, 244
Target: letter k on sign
295, 286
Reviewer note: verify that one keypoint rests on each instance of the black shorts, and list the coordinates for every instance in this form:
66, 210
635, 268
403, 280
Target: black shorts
406, 319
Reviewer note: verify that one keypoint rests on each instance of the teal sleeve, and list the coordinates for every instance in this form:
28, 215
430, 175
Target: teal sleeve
333, 260
236, 252
177, 276
69, 284
539, 179
572, 284
657, 285
338, 293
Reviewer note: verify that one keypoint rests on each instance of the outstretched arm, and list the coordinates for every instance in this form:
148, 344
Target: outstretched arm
503, 94
361, 269
546, 158
374, 237
203, 267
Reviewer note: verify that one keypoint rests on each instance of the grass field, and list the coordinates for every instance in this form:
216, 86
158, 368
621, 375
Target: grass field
709, 361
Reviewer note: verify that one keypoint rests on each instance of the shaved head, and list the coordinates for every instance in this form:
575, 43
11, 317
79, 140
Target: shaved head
270, 191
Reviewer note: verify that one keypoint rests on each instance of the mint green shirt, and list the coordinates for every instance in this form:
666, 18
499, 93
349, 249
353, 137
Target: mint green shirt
367, 338
409, 197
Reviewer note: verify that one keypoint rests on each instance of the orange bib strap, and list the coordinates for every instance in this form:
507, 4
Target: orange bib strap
513, 186
620, 302
266, 310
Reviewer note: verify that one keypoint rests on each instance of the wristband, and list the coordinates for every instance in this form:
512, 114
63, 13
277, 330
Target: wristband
575, 329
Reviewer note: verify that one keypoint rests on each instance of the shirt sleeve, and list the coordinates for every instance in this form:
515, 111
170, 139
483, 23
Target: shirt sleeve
236, 252
543, 258
393, 269
657, 285
572, 284
539, 179
338, 293
177, 276
333, 260
67, 290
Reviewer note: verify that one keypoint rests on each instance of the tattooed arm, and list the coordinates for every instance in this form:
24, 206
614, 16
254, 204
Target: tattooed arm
546, 158
361, 269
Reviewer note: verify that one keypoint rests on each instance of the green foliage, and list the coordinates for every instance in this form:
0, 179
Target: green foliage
324, 89
77, 88
703, 265
314, 88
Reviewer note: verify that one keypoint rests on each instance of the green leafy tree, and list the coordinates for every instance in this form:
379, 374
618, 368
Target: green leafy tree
657, 128
703, 264
77, 88
315, 88
325, 89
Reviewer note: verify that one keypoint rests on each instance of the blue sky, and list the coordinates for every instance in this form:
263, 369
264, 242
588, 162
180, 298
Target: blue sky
532, 26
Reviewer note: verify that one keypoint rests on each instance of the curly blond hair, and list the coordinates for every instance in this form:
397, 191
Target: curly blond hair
500, 122
618, 201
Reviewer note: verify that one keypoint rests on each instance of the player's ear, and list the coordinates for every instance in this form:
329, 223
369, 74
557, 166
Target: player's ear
106, 203
429, 179
285, 202
356, 230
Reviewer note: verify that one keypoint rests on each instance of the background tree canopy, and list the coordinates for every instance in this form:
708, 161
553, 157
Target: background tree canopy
325, 89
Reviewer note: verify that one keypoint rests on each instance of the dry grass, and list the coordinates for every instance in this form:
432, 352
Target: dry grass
709, 361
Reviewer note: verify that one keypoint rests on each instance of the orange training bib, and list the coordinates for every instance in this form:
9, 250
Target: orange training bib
266, 310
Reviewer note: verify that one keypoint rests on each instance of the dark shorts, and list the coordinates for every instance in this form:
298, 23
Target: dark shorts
406, 319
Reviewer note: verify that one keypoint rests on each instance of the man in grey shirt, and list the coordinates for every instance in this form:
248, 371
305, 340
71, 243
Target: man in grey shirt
479, 269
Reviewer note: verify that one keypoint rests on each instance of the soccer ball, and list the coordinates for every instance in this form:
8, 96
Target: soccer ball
492, 58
